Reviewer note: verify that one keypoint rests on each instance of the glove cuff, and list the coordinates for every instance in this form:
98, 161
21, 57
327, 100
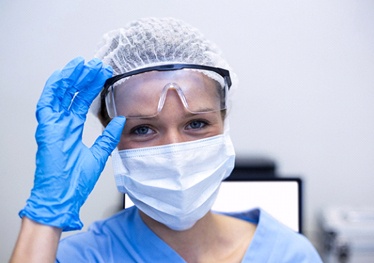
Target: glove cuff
67, 221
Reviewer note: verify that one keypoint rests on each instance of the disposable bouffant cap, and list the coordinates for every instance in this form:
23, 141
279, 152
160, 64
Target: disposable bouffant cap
156, 41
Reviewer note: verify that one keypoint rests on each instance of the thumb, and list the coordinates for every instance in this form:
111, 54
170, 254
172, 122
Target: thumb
105, 144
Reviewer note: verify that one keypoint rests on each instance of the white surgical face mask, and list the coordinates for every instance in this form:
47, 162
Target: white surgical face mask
175, 184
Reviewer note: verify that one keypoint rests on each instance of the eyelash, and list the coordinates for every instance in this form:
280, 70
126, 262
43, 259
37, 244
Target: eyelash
136, 130
203, 122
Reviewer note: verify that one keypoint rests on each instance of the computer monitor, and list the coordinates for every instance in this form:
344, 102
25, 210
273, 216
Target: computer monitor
280, 197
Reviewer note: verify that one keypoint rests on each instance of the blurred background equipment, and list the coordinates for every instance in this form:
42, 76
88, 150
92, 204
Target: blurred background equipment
254, 167
347, 234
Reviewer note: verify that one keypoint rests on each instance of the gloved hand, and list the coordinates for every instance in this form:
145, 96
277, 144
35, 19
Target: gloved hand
67, 170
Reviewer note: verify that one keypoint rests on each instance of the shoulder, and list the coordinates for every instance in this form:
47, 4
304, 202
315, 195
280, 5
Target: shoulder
92, 245
275, 242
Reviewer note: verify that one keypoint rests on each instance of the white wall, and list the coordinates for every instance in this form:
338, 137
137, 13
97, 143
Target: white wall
306, 88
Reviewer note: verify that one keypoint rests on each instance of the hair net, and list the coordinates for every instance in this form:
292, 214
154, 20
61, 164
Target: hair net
155, 41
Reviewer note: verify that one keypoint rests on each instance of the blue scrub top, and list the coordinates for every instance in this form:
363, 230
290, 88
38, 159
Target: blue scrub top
125, 238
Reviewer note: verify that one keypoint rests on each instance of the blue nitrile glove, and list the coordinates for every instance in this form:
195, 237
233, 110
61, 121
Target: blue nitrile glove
67, 170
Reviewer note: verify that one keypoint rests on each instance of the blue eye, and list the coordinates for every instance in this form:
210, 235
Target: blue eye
142, 130
196, 124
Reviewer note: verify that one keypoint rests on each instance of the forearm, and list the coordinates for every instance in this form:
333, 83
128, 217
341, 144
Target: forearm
66, 169
36, 243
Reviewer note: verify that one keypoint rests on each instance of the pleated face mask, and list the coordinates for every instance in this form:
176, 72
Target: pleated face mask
175, 184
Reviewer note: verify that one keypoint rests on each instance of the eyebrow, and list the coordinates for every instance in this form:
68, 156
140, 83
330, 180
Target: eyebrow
187, 114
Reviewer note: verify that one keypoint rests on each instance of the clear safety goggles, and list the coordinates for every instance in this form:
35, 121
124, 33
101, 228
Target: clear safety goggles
145, 101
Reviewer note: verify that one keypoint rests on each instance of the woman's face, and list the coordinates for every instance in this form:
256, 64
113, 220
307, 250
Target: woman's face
174, 123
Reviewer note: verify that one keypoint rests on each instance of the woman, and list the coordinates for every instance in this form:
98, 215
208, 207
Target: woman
171, 87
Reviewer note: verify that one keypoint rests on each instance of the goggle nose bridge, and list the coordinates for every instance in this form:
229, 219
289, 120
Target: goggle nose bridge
164, 92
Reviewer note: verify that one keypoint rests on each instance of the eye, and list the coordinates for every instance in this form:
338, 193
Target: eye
197, 124
141, 130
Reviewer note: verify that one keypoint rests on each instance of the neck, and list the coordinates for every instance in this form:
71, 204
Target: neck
213, 238
201, 229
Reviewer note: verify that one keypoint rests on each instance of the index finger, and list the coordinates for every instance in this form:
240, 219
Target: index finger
58, 83
90, 91
86, 79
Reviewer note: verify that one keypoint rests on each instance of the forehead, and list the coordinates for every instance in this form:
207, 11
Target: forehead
184, 76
